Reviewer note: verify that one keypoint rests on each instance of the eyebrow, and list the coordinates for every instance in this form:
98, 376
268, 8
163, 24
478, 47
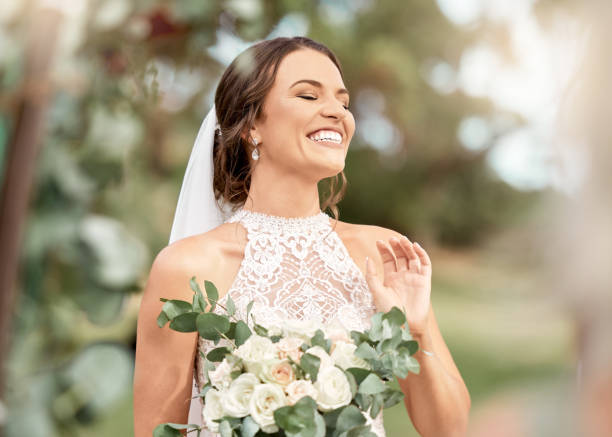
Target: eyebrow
319, 85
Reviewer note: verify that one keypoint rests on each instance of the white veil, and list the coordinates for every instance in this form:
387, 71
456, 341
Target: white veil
197, 210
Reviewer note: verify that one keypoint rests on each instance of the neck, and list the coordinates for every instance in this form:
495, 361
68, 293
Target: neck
291, 197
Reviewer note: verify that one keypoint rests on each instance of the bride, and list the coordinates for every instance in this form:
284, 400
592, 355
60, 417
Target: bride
257, 230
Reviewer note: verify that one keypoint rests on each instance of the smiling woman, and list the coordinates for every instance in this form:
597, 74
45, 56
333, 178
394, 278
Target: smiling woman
276, 248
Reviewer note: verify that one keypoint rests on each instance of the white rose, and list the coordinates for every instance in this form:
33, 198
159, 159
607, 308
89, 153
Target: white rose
326, 360
277, 372
255, 350
298, 389
333, 389
213, 409
344, 356
304, 329
266, 398
335, 331
220, 377
235, 402
290, 347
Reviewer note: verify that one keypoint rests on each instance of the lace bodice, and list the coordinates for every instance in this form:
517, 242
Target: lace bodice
295, 267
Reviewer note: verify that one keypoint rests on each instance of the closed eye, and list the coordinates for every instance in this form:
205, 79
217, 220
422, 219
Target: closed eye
314, 98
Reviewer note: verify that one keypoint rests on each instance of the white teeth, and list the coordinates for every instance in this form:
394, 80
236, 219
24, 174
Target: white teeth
326, 135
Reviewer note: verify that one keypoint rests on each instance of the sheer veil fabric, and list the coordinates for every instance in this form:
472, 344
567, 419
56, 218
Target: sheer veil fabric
197, 210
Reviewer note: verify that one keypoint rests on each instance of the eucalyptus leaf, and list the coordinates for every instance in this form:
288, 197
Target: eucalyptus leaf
395, 316
217, 354
199, 304
225, 429
392, 397
375, 331
249, 427
310, 363
319, 340
174, 307
185, 322
209, 325
212, 294
230, 306
349, 417
365, 351
242, 332
359, 373
162, 319
372, 385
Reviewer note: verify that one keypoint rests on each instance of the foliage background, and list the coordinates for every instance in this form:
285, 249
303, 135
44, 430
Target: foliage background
131, 82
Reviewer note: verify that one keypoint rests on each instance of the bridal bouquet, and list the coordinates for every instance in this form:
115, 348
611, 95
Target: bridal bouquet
299, 379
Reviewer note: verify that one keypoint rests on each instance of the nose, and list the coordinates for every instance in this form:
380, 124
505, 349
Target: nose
335, 109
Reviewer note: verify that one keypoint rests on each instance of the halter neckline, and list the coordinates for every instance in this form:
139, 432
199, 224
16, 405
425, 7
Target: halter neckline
277, 219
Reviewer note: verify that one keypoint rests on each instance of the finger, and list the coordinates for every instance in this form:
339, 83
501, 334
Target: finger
413, 258
400, 256
387, 257
423, 257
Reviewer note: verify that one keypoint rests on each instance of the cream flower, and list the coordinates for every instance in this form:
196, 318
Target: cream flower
277, 372
236, 400
344, 356
290, 347
298, 389
335, 331
304, 329
333, 389
220, 377
326, 360
255, 350
213, 409
266, 398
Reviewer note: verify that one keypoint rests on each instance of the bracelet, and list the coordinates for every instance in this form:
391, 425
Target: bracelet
427, 352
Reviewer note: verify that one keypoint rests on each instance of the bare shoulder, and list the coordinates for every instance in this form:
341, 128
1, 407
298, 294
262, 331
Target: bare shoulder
364, 236
202, 255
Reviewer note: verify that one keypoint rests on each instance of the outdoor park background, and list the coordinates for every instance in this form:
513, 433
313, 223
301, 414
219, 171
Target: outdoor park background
458, 145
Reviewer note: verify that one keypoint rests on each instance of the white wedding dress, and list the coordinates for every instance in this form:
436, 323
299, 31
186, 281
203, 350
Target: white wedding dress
295, 267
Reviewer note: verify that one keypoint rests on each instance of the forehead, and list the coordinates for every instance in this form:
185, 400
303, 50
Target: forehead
307, 64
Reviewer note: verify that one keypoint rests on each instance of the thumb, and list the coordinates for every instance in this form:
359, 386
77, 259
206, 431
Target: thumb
372, 276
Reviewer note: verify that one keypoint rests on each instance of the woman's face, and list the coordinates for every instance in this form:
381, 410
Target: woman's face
308, 98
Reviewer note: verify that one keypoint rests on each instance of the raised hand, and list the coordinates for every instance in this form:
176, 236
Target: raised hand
406, 282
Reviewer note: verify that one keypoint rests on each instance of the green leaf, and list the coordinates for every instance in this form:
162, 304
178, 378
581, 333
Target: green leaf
359, 373
365, 351
162, 319
392, 397
171, 429
349, 417
225, 429
372, 385
310, 363
230, 305
375, 331
377, 403
248, 309
319, 340
361, 431
260, 330
209, 325
217, 354
363, 400
249, 427
212, 294
198, 302
352, 382
172, 308
242, 332
185, 322
395, 316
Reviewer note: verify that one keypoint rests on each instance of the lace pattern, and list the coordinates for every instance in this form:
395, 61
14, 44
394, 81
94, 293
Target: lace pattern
298, 268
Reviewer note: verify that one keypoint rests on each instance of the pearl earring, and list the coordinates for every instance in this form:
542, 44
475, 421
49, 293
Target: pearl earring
255, 153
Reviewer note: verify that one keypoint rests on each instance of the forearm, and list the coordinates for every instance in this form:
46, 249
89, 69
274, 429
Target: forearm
437, 402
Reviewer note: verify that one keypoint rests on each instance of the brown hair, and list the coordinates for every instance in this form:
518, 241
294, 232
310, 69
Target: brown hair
238, 103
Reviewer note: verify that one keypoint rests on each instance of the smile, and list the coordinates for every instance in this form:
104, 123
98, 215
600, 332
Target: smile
329, 143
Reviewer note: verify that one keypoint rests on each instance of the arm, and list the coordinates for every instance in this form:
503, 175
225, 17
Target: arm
164, 358
436, 399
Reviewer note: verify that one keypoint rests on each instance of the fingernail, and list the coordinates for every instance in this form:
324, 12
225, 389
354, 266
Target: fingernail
416, 244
